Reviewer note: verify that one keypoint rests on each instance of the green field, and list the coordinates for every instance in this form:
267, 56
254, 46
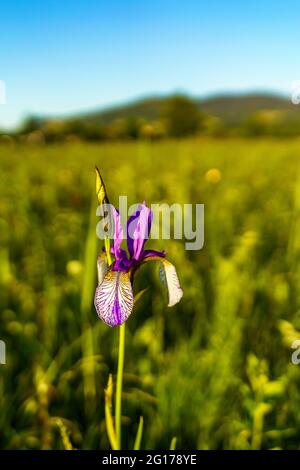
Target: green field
215, 371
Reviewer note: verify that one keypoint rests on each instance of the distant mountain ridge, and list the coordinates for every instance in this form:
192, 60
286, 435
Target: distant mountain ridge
237, 108
231, 108
175, 115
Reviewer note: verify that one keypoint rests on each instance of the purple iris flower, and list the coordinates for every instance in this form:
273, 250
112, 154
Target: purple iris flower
114, 295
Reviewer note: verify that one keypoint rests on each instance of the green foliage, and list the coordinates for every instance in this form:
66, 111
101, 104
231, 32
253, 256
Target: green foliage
155, 118
215, 371
182, 116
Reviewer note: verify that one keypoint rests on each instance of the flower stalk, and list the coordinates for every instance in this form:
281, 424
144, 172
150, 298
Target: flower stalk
120, 372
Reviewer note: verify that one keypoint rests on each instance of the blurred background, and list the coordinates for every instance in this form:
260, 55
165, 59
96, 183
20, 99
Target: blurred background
176, 102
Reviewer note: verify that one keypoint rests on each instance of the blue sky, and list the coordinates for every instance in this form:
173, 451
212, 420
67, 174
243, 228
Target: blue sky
57, 57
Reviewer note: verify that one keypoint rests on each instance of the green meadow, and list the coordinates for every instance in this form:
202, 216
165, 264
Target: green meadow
214, 371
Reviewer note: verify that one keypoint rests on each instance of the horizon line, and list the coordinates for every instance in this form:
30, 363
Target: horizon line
147, 96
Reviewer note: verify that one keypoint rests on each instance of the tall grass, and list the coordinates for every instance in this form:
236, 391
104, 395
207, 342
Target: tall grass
215, 371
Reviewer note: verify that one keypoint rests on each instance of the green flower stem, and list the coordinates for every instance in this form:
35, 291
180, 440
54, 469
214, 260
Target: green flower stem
118, 410
107, 250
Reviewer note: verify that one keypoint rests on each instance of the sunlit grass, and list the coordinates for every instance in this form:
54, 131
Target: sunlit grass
214, 371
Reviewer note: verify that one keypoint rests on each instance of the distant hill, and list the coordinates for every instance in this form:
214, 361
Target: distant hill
147, 108
232, 109
251, 114
235, 109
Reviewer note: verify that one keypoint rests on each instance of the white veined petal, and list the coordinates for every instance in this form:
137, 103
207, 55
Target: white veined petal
114, 298
102, 267
170, 279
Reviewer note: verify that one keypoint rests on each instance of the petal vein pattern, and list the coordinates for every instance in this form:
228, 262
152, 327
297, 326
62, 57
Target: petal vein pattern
114, 298
170, 279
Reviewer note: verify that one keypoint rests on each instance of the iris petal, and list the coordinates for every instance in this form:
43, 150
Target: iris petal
148, 255
138, 229
118, 234
114, 298
169, 277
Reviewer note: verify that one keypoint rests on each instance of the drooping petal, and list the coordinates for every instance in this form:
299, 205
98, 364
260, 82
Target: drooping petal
168, 275
138, 230
102, 267
153, 255
114, 298
170, 279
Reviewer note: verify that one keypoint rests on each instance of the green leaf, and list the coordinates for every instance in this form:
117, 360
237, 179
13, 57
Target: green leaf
139, 295
108, 416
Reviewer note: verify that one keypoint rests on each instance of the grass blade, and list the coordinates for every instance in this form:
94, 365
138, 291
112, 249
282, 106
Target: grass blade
108, 416
173, 443
139, 435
